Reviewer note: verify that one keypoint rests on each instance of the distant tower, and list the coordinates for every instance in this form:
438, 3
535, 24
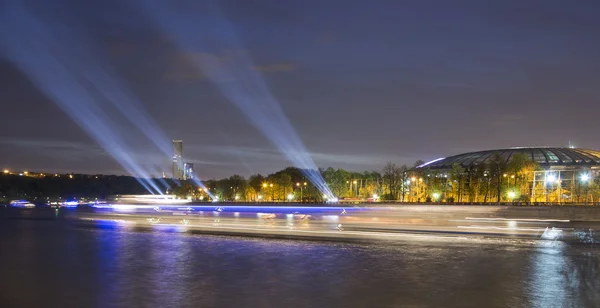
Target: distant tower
178, 170
189, 171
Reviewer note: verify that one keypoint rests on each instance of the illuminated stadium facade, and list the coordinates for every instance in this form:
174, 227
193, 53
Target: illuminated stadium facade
547, 158
526, 174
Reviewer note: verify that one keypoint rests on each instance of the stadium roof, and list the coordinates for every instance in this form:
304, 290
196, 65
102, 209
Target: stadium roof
545, 157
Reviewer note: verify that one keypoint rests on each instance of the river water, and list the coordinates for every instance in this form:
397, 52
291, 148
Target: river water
54, 264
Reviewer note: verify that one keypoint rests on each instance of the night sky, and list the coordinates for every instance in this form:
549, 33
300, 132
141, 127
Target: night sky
362, 82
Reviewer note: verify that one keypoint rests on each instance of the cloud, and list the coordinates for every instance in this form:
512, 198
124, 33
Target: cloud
271, 155
183, 66
276, 67
60, 149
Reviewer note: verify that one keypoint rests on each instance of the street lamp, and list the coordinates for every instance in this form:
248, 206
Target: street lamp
290, 197
436, 196
550, 178
512, 195
301, 190
585, 177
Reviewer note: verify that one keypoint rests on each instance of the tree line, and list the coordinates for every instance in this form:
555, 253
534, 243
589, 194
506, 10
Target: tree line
519, 180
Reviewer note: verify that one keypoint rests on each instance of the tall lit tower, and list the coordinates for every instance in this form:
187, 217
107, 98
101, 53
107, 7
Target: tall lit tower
178, 171
189, 171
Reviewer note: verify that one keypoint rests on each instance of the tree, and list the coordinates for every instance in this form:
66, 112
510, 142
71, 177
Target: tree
457, 178
256, 182
497, 167
392, 178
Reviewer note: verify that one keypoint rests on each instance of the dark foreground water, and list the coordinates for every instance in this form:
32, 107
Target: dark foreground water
51, 264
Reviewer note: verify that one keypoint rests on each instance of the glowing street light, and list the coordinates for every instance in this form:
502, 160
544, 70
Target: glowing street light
585, 177
436, 196
265, 184
512, 195
237, 197
290, 197
6, 171
260, 197
25, 172
551, 178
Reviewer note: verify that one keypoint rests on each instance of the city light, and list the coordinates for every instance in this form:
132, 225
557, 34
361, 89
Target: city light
260, 197
6, 171
237, 197
436, 196
290, 197
25, 172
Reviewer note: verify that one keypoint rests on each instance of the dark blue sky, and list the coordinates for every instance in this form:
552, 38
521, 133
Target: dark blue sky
362, 82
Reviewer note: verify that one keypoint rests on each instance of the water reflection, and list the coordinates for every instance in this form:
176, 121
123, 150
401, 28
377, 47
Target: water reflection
55, 265
562, 278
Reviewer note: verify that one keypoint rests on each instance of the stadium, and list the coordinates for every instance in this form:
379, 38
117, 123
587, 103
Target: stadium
525, 174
